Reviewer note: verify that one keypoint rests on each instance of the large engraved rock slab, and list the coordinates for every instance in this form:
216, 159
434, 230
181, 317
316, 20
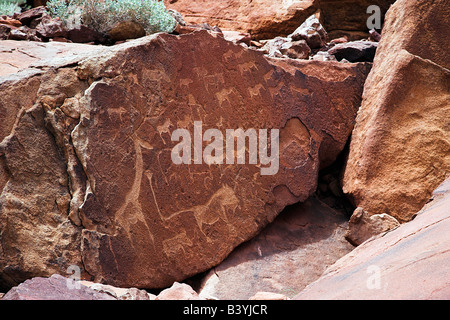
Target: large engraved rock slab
137, 218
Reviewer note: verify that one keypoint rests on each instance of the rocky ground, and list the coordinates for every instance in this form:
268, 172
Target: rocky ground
357, 209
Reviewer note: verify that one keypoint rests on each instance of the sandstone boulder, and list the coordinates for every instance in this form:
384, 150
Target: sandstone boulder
400, 148
119, 293
29, 15
296, 49
55, 287
126, 30
410, 262
50, 28
355, 51
268, 296
237, 37
312, 32
293, 251
349, 17
261, 18
87, 163
363, 226
178, 291
272, 47
83, 34
17, 57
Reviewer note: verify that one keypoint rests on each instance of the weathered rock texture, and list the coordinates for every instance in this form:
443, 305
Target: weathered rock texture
363, 226
349, 17
55, 287
410, 262
87, 171
16, 56
119, 293
36, 236
178, 291
263, 19
400, 148
293, 251
355, 51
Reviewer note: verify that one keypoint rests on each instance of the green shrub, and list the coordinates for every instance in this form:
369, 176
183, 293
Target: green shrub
9, 7
102, 16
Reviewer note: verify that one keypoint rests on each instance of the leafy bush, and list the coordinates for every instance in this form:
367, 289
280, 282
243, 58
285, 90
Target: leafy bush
9, 7
103, 15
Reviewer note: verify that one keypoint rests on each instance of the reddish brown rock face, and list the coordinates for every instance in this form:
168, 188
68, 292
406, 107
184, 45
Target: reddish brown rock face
408, 263
146, 221
54, 288
261, 18
293, 251
350, 16
400, 148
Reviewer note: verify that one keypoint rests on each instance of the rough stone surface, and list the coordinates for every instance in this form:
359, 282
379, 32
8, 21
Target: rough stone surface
237, 37
272, 47
16, 56
410, 262
400, 147
94, 151
119, 293
355, 51
268, 296
363, 226
83, 34
263, 19
296, 49
34, 204
293, 251
126, 30
50, 28
55, 287
349, 16
178, 291
29, 15
312, 32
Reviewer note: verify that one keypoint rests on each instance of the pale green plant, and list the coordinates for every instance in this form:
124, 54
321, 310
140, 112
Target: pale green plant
9, 7
103, 15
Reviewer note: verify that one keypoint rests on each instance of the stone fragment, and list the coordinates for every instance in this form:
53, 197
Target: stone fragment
16, 34
363, 226
400, 147
50, 28
262, 19
11, 22
237, 37
350, 17
355, 51
83, 34
374, 35
272, 47
119, 293
296, 49
96, 151
126, 30
178, 291
55, 287
312, 32
324, 56
408, 263
27, 16
293, 251
268, 296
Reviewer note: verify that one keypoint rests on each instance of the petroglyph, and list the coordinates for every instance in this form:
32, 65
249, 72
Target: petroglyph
145, 221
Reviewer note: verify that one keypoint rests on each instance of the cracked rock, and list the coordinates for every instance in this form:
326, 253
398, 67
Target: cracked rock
85, 157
